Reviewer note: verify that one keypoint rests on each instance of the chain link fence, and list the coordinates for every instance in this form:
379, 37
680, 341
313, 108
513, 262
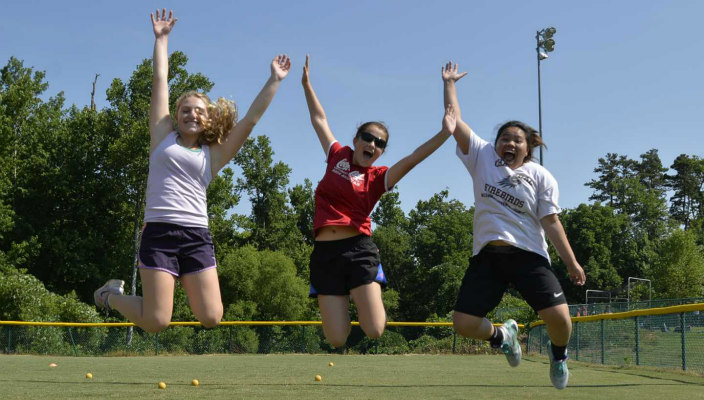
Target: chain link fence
674, 340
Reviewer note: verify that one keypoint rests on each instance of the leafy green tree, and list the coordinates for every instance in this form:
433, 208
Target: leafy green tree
610, 170
303, 204
221, 200
687, 202
441, 231
273, 223
599, 244
679, 270
441, 245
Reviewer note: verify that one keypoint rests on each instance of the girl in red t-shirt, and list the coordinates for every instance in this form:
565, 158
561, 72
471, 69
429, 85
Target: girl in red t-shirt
345, 262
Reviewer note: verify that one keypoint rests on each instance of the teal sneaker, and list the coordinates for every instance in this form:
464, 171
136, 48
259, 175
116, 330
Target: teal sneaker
510, 345
559, 374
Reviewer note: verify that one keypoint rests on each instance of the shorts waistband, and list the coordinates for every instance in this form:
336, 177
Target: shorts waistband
347, 242
501, 249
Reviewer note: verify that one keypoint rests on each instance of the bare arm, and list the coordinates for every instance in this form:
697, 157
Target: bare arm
449, 77
315, 109
556, 233
222, 153
159, 118
401, 168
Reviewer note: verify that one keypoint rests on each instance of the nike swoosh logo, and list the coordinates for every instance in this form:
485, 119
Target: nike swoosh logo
557, 294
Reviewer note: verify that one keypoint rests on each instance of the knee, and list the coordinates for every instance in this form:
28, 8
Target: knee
337, 341
209, 317
559, 322
337, 338
211, 320
155, 325
374, 331
467, 326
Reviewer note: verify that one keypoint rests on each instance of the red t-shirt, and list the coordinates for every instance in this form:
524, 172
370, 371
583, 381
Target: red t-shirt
347, 193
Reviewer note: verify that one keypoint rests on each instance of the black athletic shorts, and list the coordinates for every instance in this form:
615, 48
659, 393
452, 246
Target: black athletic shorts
176, 249
338, 266
496, 268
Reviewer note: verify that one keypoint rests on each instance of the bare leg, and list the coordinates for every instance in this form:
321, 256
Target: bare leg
203, 290
152, 311
334, 311
370, 307
558, 322
472, 326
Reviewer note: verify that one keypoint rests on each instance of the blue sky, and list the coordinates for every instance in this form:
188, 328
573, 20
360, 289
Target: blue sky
625, 77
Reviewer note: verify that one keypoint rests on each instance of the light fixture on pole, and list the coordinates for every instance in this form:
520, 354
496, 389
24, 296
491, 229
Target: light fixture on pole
544, 45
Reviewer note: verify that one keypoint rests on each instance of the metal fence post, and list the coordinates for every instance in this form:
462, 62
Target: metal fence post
304, 347
603, 341
229, 347
683, 326
528, 340
576, 336
454, 342
73, 342
9, 339
637, 341
156, 344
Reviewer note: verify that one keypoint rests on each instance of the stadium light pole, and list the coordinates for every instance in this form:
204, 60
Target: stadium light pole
544, 45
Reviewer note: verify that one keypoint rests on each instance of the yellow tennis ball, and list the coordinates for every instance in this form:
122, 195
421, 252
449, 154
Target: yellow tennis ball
162, 385
89, 376
331, 364
318, 378
195, 382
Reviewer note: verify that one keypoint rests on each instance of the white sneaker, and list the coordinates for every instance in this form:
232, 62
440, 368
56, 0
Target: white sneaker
113, 286
510, 345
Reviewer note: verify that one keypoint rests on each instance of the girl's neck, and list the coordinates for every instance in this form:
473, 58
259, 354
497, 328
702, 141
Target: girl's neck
187, 142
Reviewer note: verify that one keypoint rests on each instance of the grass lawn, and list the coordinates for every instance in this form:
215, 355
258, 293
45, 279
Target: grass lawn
291, 376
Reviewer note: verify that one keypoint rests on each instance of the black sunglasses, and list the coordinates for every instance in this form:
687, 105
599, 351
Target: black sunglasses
368, 137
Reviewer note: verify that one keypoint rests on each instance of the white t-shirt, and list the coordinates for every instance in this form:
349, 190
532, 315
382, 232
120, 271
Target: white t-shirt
509, 203
177, 183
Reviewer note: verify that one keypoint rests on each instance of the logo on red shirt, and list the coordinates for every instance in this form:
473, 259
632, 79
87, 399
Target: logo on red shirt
342, 168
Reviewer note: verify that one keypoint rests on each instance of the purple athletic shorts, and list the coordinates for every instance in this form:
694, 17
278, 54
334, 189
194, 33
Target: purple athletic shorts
176, 249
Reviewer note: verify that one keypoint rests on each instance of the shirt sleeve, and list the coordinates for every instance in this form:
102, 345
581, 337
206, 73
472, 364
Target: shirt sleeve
476, 144
377, 184
335, 147
548, 196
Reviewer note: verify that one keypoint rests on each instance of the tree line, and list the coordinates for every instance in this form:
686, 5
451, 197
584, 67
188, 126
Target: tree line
72, 189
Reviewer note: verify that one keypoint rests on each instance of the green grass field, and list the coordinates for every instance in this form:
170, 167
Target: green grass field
291, 376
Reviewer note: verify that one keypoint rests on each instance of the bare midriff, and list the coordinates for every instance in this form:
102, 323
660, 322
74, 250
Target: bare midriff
336, 232
499, 243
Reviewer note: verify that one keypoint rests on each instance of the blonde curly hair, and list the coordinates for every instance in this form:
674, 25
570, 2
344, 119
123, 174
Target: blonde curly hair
222, 117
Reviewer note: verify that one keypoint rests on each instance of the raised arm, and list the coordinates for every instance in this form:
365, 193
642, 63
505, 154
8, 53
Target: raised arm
401, 168
159, 118
222, 153
449, 77
556, 233
317, 114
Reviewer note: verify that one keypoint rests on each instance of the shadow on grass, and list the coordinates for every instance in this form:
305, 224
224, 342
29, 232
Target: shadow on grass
615, 370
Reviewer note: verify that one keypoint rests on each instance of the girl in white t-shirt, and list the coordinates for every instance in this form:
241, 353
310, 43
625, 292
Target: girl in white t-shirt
516, 206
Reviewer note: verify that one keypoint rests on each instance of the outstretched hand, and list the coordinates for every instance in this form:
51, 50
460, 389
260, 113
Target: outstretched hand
449, 121
449, 72
163, 25
280, 66
306, 78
